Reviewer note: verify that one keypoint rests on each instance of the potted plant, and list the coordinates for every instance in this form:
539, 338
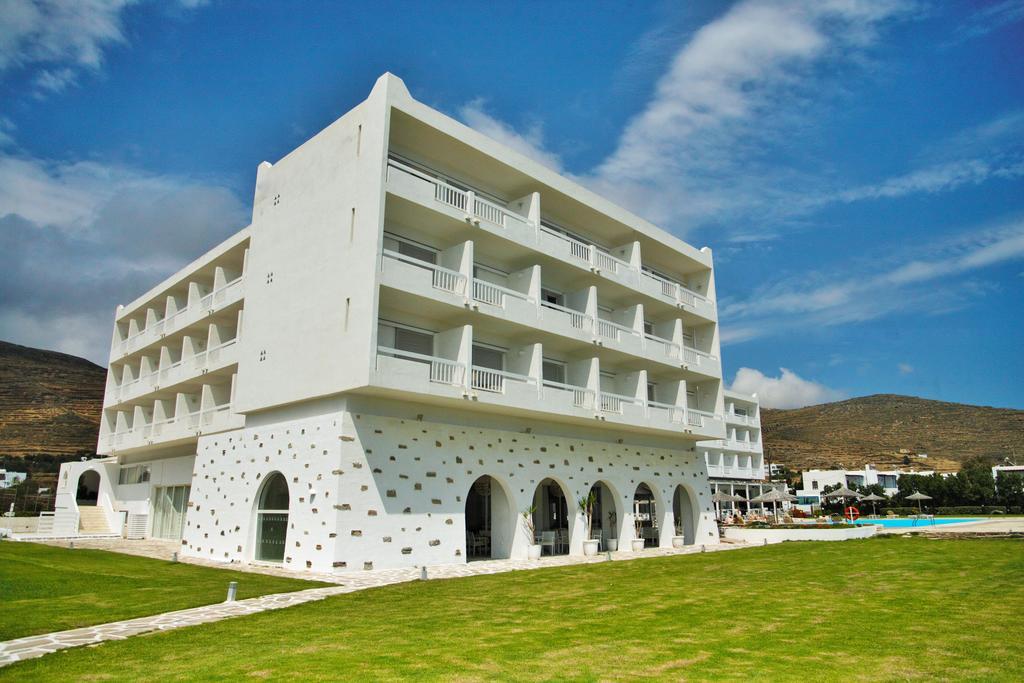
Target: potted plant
586, 505
533, 550
613, 543
679, 540
638, 528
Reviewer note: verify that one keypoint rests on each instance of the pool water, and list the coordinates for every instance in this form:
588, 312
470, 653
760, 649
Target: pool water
898, 523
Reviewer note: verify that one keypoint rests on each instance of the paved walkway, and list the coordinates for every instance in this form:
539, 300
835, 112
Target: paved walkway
349, 582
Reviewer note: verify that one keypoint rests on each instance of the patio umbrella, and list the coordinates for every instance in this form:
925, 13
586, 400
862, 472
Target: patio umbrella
843, 493
720, 497
774, 496
918, 496
873, 497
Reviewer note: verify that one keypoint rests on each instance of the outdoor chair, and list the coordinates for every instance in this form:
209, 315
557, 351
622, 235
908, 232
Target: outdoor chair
563, 540
547, 539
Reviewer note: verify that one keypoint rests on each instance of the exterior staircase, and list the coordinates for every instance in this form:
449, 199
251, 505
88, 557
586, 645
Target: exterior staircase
92, 520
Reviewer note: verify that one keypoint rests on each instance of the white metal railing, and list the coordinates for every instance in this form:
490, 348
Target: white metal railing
581, 321
612, 330
463, 200
209, 416
581, 396
488, 379
578, 249
670, 348
675, 291
676, 414
166, 325
741, 419
695, 418
442, 370
441, 277
612, 403
490, 293
605, 261
694, 356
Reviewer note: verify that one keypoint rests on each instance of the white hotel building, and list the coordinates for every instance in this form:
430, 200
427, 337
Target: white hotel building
421, 335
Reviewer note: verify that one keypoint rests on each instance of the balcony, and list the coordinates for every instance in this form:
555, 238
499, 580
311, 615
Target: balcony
211, 360
735, 418
176, 429
422, 278
219, 298
432, 191
408, 371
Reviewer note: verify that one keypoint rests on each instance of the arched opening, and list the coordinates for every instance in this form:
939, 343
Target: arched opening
272, 519
645, 516
683, 506
551, 518
490, 522
605, 516
88, 488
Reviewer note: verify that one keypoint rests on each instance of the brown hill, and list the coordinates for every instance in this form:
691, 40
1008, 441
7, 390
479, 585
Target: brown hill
49, 402
889, 430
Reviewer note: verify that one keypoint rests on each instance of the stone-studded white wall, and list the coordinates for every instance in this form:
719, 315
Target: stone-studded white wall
372, 492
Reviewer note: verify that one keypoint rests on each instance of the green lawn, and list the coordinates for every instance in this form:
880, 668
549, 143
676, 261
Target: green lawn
45, 588
880, 609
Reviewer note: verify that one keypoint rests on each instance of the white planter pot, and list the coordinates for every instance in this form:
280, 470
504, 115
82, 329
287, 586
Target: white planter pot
638, 545
590, 547
613, 544
533, 552
678, 542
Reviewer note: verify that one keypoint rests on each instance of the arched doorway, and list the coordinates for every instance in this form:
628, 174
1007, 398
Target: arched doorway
272, 519
490, 522
645, 516
605, 516
683, 511
551, 517
88, 488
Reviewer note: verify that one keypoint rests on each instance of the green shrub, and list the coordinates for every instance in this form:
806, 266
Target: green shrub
899, 511
971, 510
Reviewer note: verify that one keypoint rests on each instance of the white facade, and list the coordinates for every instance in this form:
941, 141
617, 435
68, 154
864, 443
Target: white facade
736, 463
9, 479
815, 481
421, 334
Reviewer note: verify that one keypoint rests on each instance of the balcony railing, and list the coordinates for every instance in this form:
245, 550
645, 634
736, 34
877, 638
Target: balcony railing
581, 396
674, 291
490, 293
165, 326
441, 278
442, 370
612, 403
488, 379
613, 330
476, 208
741, 419
580, 321
676, 414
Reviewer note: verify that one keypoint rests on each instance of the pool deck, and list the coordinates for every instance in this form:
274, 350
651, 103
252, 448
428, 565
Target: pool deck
995, 525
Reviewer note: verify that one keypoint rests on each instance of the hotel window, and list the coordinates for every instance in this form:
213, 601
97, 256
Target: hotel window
136, 474
814, 486
554, 371
410, 248
405, 338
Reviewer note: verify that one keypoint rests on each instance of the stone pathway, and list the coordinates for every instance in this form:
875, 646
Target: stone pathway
349, 582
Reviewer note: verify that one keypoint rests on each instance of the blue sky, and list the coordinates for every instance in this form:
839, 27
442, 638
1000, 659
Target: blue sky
857, 166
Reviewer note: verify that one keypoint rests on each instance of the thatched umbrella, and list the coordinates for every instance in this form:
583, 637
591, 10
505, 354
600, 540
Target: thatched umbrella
844, 494
873, 497
720, 497
918, 496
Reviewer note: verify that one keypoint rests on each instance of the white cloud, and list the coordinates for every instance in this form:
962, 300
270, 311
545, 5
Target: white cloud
59, 38
905, 368
529, 144
932, 279
988, 19
788, 390
76, 239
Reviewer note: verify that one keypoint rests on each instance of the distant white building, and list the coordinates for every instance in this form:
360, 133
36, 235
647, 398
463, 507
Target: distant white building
815, 481
1006, 469
421, 335
9, 479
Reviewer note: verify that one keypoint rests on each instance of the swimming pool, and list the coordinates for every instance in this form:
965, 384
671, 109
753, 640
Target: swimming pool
917, 523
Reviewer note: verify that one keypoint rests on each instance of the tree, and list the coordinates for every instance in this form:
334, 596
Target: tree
979, 487
1010, 489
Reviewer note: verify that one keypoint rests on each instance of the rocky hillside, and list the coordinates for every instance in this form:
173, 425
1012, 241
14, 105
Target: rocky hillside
49, 402
890, 430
